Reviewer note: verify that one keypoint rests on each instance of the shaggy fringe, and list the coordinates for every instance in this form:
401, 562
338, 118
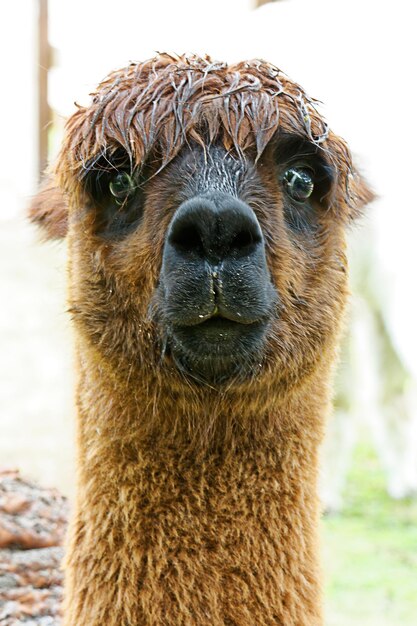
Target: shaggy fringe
158, 106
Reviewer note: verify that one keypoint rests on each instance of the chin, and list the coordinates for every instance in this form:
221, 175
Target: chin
219, 351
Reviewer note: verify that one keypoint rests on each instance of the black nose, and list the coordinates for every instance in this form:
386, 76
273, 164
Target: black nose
215, 228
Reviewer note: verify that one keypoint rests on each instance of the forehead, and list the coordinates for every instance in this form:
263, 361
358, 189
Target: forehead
213, 168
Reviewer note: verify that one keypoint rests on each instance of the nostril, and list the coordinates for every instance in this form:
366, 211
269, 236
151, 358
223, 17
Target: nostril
243, 239
186, 238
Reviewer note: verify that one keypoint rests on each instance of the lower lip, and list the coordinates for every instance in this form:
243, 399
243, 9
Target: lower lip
217, 329
219, 337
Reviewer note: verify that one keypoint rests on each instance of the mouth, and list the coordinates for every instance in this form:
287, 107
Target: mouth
218, 348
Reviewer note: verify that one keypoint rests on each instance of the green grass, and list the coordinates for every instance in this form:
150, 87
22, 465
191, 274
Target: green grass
370, 553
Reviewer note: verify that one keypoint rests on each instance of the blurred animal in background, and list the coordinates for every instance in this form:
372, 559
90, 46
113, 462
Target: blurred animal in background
205, 207
375, 390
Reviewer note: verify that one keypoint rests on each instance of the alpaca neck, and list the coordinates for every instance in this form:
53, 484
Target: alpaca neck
225, 535
146, 412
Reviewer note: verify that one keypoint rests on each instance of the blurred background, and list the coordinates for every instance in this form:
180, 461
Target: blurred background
358, 58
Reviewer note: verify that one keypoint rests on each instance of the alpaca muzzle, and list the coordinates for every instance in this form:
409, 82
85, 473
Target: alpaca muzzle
216, 293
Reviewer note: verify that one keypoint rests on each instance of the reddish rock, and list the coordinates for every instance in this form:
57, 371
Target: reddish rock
32, 527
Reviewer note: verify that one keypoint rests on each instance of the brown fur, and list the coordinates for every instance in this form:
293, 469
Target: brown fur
196, 504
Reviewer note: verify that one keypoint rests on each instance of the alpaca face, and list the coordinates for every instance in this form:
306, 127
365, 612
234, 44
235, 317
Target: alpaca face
207, 209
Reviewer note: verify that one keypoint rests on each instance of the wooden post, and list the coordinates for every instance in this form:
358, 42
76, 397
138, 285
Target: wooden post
44, 112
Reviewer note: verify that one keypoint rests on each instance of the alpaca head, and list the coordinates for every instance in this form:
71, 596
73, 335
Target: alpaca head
206, 206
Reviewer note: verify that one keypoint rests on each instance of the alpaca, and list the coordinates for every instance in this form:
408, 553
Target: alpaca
205, 207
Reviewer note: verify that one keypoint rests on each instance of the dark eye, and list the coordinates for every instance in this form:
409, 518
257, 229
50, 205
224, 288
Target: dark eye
121, 187
116, 189
298, 183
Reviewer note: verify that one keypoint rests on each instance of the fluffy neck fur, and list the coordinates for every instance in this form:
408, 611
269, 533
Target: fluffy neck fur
222, 533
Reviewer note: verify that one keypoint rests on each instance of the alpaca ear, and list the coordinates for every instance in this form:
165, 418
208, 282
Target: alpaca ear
49, 210
358, 193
